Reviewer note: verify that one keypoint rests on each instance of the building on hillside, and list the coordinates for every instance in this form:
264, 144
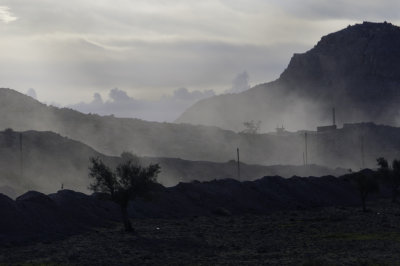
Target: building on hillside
326, 128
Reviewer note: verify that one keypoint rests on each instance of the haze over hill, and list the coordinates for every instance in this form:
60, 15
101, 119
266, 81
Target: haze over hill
46, 161
355, 70
43, 161
132, 132
112, 136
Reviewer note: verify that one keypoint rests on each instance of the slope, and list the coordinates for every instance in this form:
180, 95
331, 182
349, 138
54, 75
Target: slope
46, 161
112, 136
355, 70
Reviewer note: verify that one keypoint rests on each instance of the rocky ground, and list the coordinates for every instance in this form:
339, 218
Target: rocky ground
327, 236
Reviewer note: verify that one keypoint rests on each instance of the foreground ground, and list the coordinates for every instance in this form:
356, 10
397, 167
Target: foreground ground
329, 236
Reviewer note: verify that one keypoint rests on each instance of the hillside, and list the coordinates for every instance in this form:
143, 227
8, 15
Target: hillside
355, 70
112, 136
49, 160
67, 212
43, 162
271, 221
324, 236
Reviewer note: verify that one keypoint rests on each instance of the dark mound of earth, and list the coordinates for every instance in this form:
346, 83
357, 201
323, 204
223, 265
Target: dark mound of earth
35, 216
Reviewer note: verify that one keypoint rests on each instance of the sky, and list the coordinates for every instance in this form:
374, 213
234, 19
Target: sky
154, 58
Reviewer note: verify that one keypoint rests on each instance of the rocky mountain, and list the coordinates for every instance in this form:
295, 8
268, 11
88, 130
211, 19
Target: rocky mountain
355, 70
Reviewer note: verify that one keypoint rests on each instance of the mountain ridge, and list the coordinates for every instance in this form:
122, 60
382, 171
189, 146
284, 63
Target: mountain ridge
353, 69
112, 136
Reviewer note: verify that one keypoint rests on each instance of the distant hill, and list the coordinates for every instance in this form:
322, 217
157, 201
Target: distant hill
48, 161
43, 162
111, 136
355, 70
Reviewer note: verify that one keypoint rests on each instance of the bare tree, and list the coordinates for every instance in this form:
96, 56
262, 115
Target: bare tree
395, 179
366, 184
128, 181
391, 175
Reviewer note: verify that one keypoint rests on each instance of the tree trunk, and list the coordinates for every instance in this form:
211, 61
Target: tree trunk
363, 198
125, 219
394, 195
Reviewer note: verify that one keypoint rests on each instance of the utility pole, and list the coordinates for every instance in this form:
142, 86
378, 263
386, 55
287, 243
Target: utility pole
20, 156
362, 152
333, 117
304, 160
306, 148
238, 163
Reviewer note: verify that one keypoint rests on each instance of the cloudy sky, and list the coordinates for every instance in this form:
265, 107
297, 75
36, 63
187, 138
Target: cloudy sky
95, 54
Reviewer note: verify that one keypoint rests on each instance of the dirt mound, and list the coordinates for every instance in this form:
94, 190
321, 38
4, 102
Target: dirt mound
37, 216
34, 215
8, 191
257, 197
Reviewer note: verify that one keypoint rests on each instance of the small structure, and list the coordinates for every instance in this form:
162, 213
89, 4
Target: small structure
326, 128
280, 130
331, 127
362, 125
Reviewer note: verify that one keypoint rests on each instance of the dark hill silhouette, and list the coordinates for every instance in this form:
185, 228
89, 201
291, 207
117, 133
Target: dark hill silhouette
35, 216
355, 70
260, 196
8, 191
50, 161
